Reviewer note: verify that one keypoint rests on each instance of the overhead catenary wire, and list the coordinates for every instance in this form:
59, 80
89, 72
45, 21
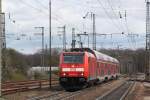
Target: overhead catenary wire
120, 4
30, 5
126, 23
119, 17
58, 16
41, 4
55, 17
105, 10
115, 15
132, 43
59, 20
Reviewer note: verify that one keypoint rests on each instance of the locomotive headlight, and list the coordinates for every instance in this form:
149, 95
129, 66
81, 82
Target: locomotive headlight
64, 74
82, 74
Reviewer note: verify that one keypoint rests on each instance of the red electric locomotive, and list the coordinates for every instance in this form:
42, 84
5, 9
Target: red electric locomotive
83, 67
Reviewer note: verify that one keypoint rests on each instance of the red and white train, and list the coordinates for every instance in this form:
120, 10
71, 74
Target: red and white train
83, 67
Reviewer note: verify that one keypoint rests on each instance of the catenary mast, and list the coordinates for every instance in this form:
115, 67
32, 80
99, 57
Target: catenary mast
147, 71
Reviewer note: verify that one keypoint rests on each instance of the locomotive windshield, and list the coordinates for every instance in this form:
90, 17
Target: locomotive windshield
76, 58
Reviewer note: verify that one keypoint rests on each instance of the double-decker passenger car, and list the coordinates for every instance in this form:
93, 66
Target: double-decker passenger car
84, 67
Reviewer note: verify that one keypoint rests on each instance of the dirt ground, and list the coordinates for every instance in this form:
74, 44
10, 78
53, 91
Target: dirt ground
27, 94
141, 91
95, 91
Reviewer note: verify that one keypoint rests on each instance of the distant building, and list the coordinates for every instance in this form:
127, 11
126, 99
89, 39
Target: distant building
42, 69
39, 69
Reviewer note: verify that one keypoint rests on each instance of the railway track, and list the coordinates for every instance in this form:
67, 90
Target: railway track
118, 93
14, 87
64, 95
57, 93
45, 96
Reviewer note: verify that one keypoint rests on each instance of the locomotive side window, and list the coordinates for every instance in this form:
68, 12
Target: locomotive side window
70, 58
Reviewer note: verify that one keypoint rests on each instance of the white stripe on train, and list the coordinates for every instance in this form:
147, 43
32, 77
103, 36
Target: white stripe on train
73, 69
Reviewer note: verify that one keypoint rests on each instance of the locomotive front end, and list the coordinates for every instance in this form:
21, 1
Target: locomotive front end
72, 70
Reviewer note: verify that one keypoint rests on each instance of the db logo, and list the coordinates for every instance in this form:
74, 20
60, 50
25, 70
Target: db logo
73, 69
72, 66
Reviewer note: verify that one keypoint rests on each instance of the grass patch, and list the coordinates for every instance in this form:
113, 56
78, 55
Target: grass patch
17, 76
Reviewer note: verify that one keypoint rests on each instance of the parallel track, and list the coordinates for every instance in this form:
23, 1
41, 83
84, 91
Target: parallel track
13, 87
118, 93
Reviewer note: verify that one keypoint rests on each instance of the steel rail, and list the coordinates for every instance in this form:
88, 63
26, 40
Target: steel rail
14, 87
119, 92
68, 95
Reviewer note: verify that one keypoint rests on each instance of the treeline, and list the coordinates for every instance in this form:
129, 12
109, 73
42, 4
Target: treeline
16, 64
131, 61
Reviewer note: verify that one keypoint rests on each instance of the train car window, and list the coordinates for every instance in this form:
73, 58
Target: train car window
117, 69
105, 65
108, 72
69, 58
112, 69
102, 72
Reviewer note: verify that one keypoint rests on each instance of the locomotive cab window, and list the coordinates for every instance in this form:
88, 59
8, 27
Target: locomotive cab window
74, 58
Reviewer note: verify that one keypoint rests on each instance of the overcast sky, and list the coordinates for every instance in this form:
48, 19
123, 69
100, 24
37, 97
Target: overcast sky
23, 15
